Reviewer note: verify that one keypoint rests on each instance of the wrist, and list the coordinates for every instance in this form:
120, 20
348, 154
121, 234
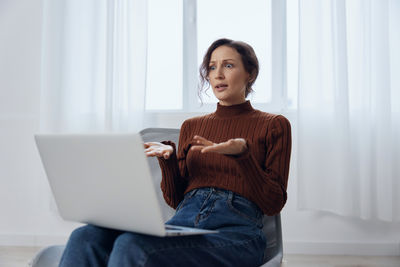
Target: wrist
244, 147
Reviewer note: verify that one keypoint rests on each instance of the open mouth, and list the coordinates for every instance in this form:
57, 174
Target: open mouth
221, 86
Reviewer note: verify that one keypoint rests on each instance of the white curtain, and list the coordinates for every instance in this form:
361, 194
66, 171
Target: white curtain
349, 108
94, 65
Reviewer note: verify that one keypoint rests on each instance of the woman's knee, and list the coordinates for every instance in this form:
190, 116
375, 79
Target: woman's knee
128, 250
88, 246
129, 241
91, 233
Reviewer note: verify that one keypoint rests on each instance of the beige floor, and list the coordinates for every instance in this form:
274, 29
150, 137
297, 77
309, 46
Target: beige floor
20, 256
339, 261
16, 256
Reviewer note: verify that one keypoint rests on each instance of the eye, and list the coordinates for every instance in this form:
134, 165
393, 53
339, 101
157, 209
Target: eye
229, 66
211, 67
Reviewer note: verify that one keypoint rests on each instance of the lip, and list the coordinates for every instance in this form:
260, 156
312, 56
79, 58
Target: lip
221, 87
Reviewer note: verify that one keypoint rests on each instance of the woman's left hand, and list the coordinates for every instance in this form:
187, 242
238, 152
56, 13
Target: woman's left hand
231, 147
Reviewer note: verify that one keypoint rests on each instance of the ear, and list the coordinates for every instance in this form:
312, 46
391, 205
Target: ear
251, 78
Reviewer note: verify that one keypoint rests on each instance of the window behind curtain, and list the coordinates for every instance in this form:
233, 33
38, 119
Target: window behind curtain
249, 21
164, 60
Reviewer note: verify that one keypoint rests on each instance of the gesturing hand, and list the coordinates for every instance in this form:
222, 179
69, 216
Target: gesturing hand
158, 149
230, 147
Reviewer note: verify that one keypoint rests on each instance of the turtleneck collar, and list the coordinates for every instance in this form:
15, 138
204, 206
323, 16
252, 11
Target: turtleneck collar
234, 110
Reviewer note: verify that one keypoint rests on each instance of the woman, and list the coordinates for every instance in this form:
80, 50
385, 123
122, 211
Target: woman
230, 169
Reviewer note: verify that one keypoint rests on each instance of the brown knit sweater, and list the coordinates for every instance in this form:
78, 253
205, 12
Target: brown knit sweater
260, 173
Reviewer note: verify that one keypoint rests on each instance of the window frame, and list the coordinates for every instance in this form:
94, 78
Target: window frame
190, 105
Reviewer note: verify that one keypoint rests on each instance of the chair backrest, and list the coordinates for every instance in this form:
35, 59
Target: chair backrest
271, 224
272, 229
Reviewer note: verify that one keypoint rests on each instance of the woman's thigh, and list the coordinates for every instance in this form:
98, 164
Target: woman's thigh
94, 234
222, 249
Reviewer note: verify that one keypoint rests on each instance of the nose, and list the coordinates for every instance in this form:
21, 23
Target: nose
219, 73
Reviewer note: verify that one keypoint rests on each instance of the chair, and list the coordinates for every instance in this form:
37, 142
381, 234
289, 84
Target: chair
50, 256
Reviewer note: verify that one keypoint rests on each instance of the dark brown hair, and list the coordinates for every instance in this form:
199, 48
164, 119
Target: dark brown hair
247, 54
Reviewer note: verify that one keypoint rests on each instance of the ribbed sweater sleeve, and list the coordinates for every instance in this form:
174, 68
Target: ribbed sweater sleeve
269, 182
174, 171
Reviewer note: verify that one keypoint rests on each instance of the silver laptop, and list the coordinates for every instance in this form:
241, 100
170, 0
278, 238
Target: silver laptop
105, 180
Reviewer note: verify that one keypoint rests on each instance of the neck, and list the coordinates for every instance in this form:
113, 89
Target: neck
234, 110
224, 103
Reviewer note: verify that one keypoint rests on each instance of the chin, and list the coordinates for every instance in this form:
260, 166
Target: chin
221, 95
221, 98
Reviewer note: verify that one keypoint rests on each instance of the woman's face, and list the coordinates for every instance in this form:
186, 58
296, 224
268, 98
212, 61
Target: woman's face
227, 76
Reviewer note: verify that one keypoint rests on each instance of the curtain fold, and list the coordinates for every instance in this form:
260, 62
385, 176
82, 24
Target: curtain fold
93, 65
93, 68
348, 108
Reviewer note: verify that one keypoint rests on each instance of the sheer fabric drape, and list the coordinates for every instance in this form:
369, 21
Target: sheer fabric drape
349, 108
94, 63
93, 67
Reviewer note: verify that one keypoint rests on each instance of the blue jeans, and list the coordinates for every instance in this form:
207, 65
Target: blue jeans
240, 241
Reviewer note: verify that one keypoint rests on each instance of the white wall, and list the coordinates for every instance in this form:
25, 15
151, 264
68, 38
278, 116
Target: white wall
24, 203
327, 233
25, 208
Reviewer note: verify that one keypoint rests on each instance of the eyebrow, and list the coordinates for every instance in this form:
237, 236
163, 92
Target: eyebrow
229, 59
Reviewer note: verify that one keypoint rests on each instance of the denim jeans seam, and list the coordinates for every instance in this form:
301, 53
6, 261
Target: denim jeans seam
232, 244
254, 220
207, 214
180, 205
202, 206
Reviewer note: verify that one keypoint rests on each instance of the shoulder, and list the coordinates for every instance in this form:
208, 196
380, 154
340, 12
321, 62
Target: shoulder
192, 123
280, 121
277, 125
274, 125
198, 120
271, 118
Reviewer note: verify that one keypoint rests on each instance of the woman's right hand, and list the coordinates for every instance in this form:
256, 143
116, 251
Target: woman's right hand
156, 149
